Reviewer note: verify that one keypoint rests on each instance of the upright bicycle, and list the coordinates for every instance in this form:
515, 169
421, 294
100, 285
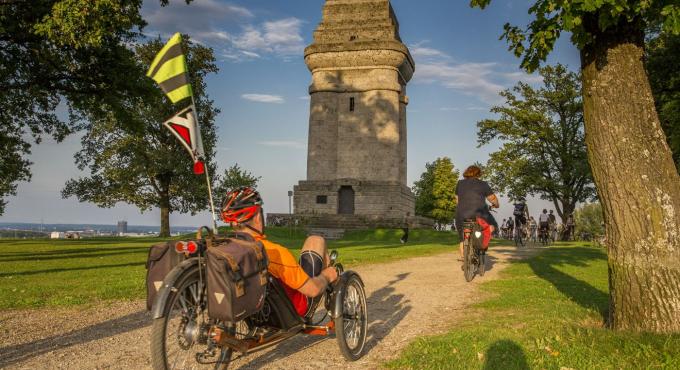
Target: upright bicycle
474, 255
519, 231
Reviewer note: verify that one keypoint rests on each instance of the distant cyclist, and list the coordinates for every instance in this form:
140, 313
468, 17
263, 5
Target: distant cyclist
472, 195
521, 213
533, 226
569, 228
553, 225
510, 227
544, 224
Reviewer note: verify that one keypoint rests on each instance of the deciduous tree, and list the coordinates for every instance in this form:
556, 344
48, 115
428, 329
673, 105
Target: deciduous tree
436, 191
68, 53
235, 177
663, 66
589, 220
147, 167
637, 182
543, 148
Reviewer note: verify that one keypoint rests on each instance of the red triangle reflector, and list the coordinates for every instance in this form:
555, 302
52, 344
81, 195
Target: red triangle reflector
199, 168
182, 131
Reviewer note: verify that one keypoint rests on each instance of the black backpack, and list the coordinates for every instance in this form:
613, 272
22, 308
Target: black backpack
519, 210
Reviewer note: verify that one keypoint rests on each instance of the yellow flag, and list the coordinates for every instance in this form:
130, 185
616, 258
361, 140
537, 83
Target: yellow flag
169, 70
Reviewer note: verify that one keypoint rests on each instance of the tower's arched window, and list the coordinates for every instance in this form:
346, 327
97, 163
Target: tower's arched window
351, 104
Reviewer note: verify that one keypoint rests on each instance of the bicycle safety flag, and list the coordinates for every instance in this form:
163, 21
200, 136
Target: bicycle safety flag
183, 125
169, 70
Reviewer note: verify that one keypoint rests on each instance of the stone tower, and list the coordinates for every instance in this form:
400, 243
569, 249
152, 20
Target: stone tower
356, 163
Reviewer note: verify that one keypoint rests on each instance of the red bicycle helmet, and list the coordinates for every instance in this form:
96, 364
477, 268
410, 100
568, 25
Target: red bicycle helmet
241, 205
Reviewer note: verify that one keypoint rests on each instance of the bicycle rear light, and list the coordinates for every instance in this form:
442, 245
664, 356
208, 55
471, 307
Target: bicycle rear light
189, 247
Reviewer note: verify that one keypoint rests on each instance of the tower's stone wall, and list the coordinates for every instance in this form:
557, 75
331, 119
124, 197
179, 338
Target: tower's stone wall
357, 125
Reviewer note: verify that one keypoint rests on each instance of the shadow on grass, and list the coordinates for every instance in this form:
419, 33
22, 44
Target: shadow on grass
578, 291
505, 354
388, 246
71, 253
36, 272
101, 253
22, 352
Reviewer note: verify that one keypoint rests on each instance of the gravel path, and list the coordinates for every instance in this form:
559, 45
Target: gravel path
406, 299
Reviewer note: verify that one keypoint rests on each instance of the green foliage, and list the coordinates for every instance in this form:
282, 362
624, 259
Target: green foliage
589, 220
46, 273
543, 149
585, 20
147, 167
69, 53
544, 313
663, 68
81, 24
235, 177
436, 191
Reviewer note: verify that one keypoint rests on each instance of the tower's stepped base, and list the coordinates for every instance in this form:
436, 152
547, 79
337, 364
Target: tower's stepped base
330, 234
347, 222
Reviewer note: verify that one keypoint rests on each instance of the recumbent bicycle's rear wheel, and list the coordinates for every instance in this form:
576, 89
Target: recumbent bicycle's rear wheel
179, 338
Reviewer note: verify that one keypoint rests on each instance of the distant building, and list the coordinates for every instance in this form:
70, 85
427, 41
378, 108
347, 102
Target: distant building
122, 227
56, 235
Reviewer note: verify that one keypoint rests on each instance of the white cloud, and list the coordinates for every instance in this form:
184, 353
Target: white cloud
469, 78
203, 20
264, 98
483, 80
228, 28
306, 97
531, 79
250, 54
458, 109
282, 37
425, 52
293, 144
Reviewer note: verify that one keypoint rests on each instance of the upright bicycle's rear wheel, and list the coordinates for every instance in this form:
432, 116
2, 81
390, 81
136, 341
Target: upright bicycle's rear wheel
482, 263
469, 265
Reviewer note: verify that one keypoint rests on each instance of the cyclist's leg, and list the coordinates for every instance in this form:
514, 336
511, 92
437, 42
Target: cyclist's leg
313, 259
316, 244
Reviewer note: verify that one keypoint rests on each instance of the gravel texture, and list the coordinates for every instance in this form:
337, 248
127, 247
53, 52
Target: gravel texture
406, 299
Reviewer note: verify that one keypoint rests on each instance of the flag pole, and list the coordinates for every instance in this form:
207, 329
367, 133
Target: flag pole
207, 175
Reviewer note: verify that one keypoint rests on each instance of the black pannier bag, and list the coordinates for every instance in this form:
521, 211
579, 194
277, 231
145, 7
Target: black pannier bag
236, 278
162, 259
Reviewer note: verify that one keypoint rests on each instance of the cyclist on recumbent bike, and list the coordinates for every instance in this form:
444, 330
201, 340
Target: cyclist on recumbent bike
304, 282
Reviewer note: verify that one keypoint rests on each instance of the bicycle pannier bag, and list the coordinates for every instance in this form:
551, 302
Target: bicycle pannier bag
236, 278
162, 258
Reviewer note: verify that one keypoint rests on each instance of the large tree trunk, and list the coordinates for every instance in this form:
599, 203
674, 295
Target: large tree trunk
165, 212
637, 183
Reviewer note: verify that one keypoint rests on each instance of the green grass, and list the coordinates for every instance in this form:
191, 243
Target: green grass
40, 273
544, 313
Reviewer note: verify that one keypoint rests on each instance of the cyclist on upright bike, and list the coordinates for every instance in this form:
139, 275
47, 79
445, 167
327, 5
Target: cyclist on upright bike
521, 213
471, 196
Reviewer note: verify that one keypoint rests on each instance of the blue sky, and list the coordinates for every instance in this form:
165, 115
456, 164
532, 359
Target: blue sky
262, 91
